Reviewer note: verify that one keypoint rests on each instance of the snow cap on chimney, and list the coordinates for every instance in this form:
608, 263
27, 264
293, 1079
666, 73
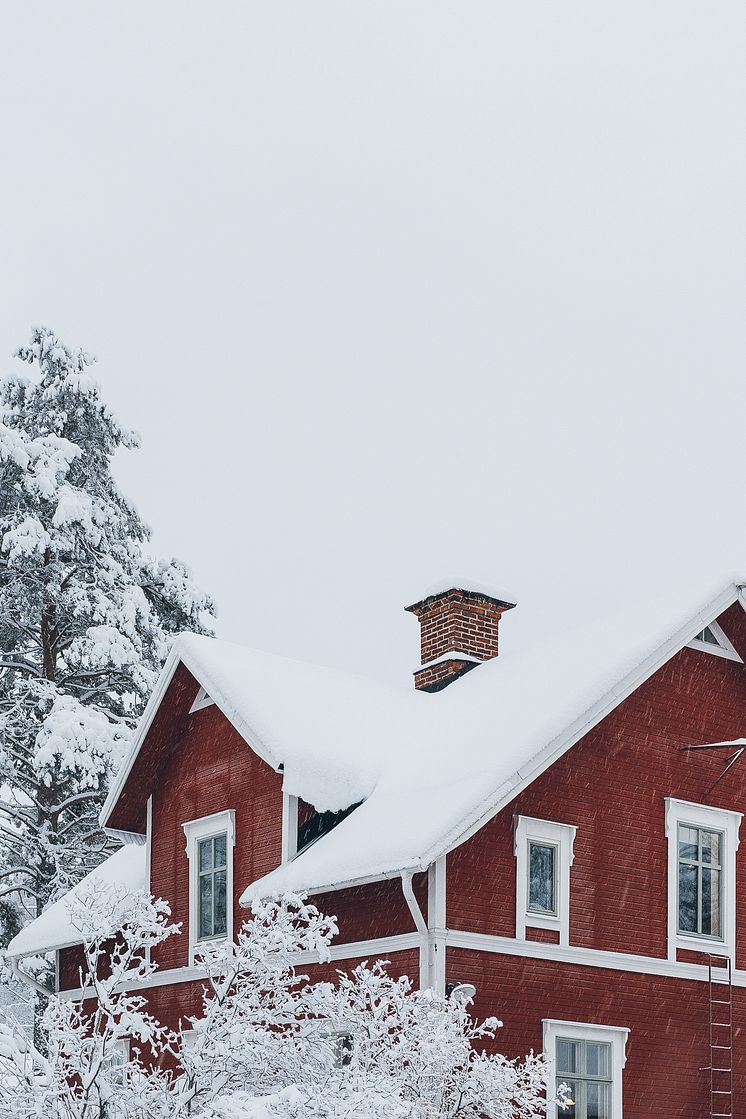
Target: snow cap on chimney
459, 621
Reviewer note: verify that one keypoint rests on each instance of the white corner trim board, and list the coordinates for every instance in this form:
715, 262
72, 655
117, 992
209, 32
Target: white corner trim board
614, 1036
219, 823
728, 823
289, 827
560, 838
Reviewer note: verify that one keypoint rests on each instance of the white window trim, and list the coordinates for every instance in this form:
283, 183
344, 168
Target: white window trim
194, 830
616, 1036
724, 649
562, 836
719, 819
202, 699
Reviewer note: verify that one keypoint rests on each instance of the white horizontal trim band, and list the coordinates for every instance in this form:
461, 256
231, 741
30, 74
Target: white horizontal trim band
585, 957
348, 951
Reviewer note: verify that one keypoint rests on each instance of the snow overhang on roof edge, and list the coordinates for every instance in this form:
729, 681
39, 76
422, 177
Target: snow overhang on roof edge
733, 592
178, 655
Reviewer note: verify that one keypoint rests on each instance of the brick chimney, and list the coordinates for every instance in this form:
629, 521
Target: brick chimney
459, 624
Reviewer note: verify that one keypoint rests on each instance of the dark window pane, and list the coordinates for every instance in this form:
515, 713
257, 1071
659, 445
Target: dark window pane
220, 903
220, 851
205, 905
710, 902
687, 898
205, 854
541, 878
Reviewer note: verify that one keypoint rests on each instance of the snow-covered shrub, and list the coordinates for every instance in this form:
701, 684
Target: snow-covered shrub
268, 1044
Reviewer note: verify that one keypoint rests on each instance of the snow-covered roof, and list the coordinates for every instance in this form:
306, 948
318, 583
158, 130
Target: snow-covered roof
428, 767
449, 760
54, 928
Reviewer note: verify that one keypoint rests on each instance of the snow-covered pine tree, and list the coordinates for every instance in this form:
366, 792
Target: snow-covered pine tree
86, 617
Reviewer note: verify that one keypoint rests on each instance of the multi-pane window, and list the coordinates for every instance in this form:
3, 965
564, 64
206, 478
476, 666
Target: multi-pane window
542, 878
700, 860
584, 1076
212, 879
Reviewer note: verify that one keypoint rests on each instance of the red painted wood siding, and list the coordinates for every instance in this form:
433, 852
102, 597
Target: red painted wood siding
212, 769
612, 786
668, 1042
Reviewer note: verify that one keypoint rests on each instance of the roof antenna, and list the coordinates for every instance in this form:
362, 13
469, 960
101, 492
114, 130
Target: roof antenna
740, 745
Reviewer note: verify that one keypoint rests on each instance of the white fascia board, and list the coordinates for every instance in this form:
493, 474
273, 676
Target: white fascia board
146, 719
176, 657
330, 887
585, 723
247, 732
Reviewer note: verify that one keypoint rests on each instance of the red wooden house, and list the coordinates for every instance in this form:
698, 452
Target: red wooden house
536, 826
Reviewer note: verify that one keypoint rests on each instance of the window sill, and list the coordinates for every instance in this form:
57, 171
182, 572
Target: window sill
702, 944
542, 921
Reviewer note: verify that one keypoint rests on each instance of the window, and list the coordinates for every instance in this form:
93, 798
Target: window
702, 845
700, 881
588, 1060
542, 878
342, 1048
117, 1059
209, 847
213, 869
713, 639
584, 1070
544, 855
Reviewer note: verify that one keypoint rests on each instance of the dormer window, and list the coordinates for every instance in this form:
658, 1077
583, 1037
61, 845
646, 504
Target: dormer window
302, 825
712, 639
312, 825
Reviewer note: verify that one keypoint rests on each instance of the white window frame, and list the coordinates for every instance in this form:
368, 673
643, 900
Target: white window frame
289, 827
118, 1058
547, 833
724, 649
716, 819
616, 1036
219, 823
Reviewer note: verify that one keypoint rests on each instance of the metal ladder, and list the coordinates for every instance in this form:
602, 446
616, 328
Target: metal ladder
721, 1037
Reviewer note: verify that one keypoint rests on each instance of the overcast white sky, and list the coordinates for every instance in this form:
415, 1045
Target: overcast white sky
396, 289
